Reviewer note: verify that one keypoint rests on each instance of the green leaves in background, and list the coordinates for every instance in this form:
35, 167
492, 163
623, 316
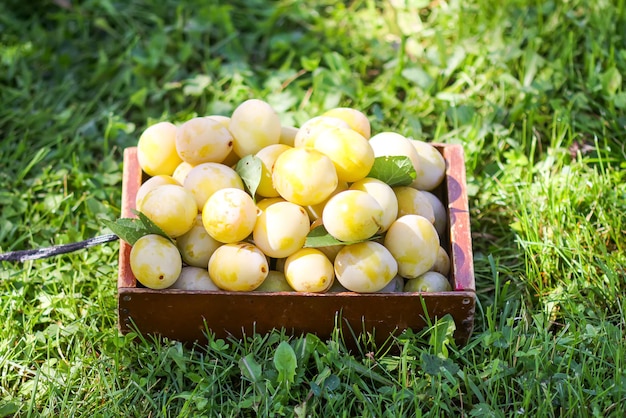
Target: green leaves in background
131, 229
393, 170
250, 169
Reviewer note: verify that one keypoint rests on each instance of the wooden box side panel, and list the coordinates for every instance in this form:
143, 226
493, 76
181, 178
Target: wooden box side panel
131, 181
461, 256
186, 316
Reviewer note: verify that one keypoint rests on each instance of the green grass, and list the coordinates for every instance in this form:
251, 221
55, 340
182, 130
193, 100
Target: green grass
532, 89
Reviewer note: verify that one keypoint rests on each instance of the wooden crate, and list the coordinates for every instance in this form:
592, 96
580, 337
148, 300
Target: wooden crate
187, 315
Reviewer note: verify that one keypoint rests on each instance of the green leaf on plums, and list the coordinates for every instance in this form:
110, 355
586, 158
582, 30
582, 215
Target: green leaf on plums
319, 237
250, 169
131, 229
396, 170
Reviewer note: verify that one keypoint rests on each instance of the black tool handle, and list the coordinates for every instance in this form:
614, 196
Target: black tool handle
35, 254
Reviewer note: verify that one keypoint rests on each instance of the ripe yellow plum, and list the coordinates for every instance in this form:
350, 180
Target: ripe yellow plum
203, 140
304, 176
396, 285
231, 160
431, 168
430, 281
315, 211
365, 267
439, 211
414, 243
354, 118
224, 120
306, 135
196, 245
194, 278
155, 261
255, 125
151, 184
238, 267
268, 156
156, 149
268, 201
383, 194
442, 263
274, 282
281, 229
181, 171
352, 215
229, 215
308, 270
205, 179
288, 135
172, 208
413, 202
394, 144
349, 151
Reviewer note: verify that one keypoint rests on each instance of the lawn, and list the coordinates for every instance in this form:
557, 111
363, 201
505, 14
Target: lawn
533, 90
